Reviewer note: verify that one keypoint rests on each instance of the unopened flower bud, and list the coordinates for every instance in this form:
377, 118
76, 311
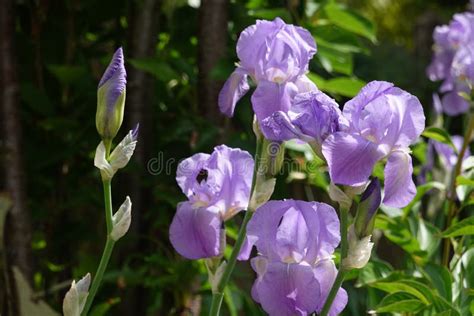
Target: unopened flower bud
111, 98
76, 297
120, 155
121, 220
359, 250
369, 203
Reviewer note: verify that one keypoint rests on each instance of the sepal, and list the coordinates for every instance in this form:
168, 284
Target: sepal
76, 297
121, 220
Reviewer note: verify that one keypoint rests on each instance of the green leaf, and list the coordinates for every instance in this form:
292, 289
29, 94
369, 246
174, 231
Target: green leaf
270, 14
161, 70
338, 39
350, 20
373, 271
421, 191
345, 86
399, 302
441, 278
334, 60
67, 74
464, 227
461, 180
103, 308
415, 288
440, 135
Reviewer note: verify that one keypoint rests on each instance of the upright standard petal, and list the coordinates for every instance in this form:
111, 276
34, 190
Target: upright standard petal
270, 97
234, 88
350, 158
191, 172
294, 231
286, 289
230, 172
325, 272
367, 94
399, 186
196, 232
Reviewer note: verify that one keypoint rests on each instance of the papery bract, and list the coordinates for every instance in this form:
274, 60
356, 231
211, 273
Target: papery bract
382, 122
217, 187
295, 241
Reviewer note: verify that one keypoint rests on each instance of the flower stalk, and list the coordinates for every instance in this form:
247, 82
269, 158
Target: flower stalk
218, 296
452, 210
342, 271
109, 246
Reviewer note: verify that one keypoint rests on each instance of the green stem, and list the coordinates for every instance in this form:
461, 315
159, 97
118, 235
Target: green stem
452, 211
218, 296
109, 246
341, 273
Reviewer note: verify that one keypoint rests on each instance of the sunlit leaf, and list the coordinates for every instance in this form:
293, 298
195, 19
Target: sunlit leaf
464, 227
350, 20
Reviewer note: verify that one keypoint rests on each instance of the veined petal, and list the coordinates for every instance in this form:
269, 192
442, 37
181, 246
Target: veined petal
270, 97
286, 289
399, 186
279, 127
195, 232
234, 88
325, 272
188, 171
350, 158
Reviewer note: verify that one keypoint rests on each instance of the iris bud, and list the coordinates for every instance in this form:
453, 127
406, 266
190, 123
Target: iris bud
76, 297
369, 203
111, 98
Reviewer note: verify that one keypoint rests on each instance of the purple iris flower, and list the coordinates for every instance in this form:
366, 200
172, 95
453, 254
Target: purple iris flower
275, 55
312, 117
447, 154
453, 61
217, 187
295, 241
383, 121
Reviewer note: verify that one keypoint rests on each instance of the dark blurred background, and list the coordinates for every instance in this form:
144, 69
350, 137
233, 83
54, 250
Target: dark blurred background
178, 53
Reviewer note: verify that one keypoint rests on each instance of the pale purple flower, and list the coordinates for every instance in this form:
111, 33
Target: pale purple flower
217, 187
447, 154
312, 117
295, 241
383, 121
453, 61
275, 55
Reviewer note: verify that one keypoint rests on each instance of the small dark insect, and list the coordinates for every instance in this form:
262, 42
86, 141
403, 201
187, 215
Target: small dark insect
202, 175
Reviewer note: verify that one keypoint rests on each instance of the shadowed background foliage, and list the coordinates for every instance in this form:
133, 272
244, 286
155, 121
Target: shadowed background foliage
178, 53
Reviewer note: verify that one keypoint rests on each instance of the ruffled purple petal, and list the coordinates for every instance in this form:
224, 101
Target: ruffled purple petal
287, 289
325, 272
234, 88
188, 173
195, 232
230, 172
279, 127
350, 158
270, 97
294, 231
399, 186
